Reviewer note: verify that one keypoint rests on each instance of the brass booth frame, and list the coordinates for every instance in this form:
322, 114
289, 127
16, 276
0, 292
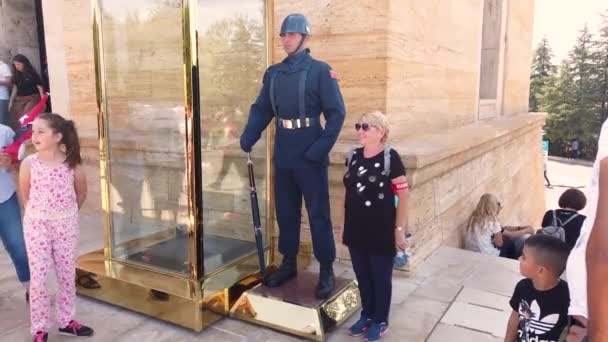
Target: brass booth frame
195, 300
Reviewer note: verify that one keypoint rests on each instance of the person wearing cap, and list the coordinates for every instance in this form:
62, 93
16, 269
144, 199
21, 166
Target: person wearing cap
295, 92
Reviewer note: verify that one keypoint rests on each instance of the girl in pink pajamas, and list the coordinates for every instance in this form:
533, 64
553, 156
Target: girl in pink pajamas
53, 186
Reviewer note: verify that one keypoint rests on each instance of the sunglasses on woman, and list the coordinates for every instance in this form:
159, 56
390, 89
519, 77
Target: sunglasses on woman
364, 126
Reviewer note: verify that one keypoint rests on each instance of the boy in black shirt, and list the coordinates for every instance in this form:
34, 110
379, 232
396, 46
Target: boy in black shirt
540, 302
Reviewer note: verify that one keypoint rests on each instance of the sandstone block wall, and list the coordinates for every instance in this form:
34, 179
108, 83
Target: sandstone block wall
18, 31
448, 173
417, 61
518, 56
433, 65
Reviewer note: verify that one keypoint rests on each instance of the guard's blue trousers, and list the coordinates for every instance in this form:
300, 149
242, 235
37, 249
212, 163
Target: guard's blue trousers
289, 187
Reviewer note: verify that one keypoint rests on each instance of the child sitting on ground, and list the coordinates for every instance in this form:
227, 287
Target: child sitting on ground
540, 302
485, 235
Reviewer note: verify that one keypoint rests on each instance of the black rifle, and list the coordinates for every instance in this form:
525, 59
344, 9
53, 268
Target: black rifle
255, 212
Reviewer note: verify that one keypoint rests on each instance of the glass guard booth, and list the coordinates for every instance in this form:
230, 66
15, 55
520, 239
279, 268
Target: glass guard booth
175, 79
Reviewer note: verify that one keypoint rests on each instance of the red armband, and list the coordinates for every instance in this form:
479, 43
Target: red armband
399, 186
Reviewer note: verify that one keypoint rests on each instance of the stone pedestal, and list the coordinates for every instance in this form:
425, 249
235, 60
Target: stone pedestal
293, 308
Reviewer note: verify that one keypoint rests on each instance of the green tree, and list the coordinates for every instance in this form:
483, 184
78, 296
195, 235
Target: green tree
558, 102
232, 62
571, 100
542, 71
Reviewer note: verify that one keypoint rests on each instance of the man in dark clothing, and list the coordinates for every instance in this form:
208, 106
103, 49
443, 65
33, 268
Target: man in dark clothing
295, 92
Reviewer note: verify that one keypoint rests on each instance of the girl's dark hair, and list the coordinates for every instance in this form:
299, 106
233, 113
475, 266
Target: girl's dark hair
69, 136
28, 69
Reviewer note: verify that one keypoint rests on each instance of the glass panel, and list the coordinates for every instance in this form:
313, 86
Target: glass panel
232, 58
143, 71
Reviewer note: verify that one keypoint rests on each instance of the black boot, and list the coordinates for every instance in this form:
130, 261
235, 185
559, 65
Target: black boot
287, 270
327, 281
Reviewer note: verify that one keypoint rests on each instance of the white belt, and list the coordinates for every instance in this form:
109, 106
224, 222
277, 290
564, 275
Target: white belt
294, 123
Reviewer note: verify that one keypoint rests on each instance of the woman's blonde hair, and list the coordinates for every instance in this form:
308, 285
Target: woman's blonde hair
486, 211
378, 120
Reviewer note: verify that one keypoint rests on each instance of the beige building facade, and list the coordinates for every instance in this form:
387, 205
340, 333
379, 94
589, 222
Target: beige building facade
18, 31
452, 76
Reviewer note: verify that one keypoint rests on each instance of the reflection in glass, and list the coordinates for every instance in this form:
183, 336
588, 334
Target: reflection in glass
232, 59
143, 70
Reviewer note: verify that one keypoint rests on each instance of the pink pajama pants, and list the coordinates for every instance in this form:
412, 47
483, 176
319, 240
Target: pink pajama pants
51, 245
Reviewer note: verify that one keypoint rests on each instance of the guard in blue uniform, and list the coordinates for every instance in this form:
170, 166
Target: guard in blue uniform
295, 92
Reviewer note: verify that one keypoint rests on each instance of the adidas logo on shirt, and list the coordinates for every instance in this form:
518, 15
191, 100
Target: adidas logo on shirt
533, 325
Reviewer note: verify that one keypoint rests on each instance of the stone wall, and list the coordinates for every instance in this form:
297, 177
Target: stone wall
18, 32
433, 65
444, 193
338, 28
428, 53
490, 58
448, 172
69, 36
417, 61
80, 65
425, 74
54, 31
518, 56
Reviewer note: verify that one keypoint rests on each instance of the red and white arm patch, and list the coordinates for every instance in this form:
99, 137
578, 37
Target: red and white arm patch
333, 74
399, 186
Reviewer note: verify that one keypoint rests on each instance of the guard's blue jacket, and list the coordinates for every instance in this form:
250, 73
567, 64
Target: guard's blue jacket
305, 146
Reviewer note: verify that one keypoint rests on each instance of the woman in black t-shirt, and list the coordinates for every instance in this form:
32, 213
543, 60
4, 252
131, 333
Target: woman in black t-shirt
27, 88
570, 203
373, 228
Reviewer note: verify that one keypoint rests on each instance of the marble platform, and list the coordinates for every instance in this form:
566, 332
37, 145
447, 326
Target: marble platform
454, 293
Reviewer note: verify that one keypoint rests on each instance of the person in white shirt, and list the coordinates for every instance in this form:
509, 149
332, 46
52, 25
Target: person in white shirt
597, 263
485, 235
483, 228
5, 84
11, 229
576, 269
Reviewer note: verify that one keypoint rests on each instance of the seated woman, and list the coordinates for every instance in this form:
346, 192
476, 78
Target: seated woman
570, 203
484, 233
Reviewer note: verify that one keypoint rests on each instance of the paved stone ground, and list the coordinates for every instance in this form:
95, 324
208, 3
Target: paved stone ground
454, 295
564, 175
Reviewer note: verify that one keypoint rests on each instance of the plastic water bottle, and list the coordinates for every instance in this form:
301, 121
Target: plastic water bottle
402, 257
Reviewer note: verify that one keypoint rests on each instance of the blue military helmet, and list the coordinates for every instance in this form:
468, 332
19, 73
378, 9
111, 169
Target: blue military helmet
295, 23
